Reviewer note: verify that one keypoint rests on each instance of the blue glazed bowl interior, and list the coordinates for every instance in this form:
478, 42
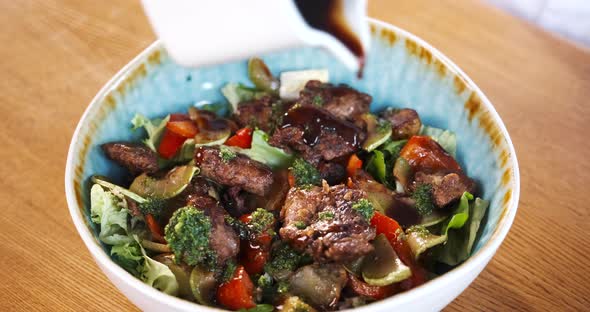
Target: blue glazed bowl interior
395, 76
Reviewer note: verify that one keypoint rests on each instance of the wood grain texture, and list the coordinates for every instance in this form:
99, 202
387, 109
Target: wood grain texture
56, 54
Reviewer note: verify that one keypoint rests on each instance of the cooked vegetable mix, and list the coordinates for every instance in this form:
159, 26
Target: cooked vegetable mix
292, 197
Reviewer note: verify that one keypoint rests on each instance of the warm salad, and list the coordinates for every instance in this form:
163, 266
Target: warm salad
293, 196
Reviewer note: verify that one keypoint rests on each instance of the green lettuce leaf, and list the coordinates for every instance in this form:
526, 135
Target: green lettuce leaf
154, 128
129, 257
376, 166
446, 138
157, 275
393, 148
237, 92
263, 152
460, 241
459, 215
110, 212
457, 233
380, 164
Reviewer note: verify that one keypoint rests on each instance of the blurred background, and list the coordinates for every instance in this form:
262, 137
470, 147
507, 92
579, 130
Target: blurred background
566, 18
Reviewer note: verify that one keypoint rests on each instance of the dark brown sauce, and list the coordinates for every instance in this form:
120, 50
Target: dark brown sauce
328, 16
314, 120
405, 215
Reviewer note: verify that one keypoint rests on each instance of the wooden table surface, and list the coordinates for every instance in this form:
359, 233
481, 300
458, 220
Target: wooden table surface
56, 54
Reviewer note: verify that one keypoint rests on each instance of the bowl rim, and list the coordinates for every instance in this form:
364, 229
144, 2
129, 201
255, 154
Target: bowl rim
481, 257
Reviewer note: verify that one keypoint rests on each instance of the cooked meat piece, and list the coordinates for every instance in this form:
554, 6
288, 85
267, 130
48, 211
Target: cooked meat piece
223, 239
333, 173
135, 157
234, 201
133, 207
255, 113
405, 122
319, 284
317, 135
275, 198
200, 186
234, 170
446, 188
341, 101
201, 201
322, 222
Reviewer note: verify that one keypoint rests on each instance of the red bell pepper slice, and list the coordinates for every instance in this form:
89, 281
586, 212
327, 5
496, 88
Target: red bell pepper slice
423, 153
155, 229
242, 138
392, 230
237, 293
256, 251
170, 144
184, 128
354, 163
375, 292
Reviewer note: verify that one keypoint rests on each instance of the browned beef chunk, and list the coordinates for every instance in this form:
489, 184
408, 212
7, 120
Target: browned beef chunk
341, 101
275, 198
135, 157
322, 222
446, 187
133, 207
234, 201
240, 171
255, 113
333, 173
404, 122
223, 239
319, 285
317, 135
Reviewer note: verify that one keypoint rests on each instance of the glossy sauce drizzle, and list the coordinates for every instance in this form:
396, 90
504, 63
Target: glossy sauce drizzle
314, 121
328, 16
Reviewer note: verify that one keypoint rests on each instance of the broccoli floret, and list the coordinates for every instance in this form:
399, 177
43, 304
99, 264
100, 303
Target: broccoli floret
284, 259
305, 174
423, 197
187, 234
261, 221
153, 206
265, 281
228, 271
226, 153
300, 225
364, 208
270, 289
282, 287
317, 101
326, 215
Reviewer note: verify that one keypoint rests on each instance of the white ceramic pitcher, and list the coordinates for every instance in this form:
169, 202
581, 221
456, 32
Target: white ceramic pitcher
202, 32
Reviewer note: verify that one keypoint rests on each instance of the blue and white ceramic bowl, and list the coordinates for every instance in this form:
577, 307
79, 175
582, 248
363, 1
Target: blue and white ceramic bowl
401, 71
